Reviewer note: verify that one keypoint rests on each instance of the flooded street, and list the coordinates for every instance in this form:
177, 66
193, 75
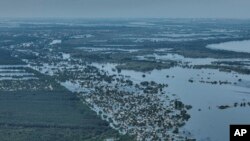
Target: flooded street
206, 118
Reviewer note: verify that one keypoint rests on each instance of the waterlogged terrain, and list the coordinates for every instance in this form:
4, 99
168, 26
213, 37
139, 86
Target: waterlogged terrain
141, 80
208, 91
238, 46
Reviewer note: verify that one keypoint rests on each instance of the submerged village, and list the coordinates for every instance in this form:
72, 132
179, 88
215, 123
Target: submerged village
142, 109
138, 77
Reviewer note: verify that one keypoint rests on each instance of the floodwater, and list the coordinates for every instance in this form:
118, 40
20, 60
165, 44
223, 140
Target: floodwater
237, 46
207, 121
15, 72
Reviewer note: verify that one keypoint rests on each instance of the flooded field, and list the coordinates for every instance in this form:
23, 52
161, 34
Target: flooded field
141, 80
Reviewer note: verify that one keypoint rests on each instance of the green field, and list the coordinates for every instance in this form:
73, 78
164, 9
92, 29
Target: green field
42, 115
46, 116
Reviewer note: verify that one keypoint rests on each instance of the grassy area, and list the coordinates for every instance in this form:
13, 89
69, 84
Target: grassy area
145, 65
6, 59
46, 116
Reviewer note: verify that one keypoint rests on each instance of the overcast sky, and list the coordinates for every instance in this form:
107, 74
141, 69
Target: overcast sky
126, 8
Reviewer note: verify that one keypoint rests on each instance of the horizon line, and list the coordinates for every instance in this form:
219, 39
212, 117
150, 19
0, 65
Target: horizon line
124, 18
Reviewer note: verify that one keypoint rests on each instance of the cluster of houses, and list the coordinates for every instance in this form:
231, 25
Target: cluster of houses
142, 109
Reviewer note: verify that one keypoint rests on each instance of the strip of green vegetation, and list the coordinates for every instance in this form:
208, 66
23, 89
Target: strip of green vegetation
6, 59
146, 65
238, 69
